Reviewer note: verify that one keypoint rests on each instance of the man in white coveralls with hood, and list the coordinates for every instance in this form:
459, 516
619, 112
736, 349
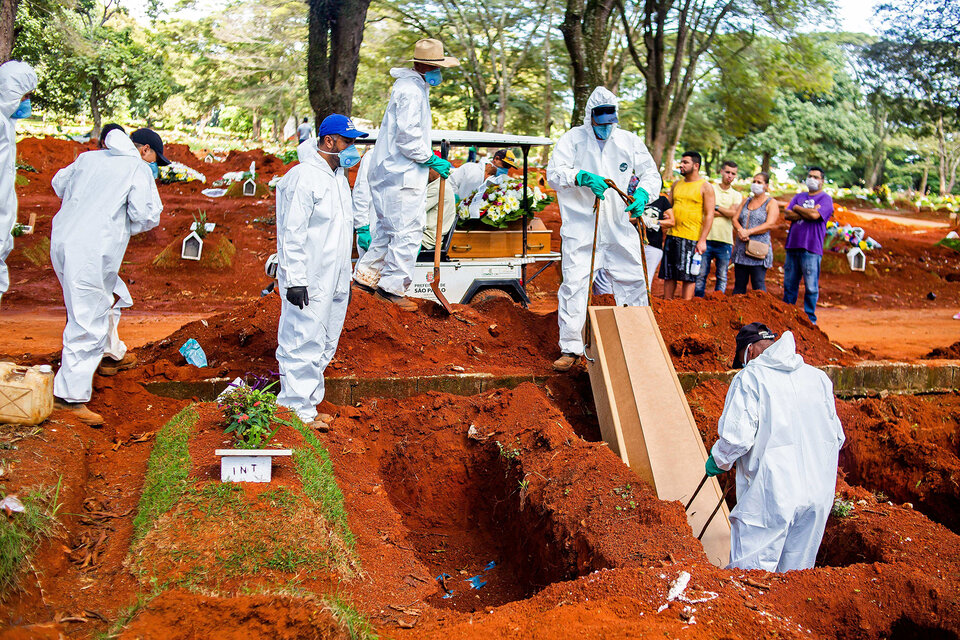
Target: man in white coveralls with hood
780, 427
315, 223
108, 195
580, 163
399, 165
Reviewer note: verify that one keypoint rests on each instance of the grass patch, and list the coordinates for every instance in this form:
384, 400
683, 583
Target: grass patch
39, 253
22, 532
316, 472
350, 619
167, 471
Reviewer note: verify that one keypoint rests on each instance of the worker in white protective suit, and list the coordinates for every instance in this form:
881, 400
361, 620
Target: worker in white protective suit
315, 225
469, 176
107, 195
365, 219
17, 80
780, 427
580, 163
397, 176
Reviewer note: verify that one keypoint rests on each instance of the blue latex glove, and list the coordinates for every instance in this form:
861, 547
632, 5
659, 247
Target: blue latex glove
712, 468
439, 165
597, 184
640, 200
363, 237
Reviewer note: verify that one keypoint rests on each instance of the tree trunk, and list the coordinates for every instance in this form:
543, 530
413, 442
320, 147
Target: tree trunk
942, 155
257, 122
878, 155
95, 107
333, 53
586, 32
923, 181
765, 163
8, 19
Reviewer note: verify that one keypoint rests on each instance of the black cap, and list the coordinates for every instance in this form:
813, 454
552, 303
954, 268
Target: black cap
753, 332
150, 138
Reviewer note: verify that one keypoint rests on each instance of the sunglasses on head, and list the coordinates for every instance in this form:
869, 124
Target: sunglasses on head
606, 109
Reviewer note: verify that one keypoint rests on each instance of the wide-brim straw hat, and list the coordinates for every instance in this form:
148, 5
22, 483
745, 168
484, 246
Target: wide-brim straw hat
430, 51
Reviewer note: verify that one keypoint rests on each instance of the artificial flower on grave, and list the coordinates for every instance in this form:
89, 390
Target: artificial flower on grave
498, 201
177, 172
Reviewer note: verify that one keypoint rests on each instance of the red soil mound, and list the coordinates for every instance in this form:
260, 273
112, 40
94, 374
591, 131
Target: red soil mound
267, 164
946, 353
181, 614
379, 340
495, 336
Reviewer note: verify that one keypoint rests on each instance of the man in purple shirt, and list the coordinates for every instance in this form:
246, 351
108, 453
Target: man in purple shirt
808, 214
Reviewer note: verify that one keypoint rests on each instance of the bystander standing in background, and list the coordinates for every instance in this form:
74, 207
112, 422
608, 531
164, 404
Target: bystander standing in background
808, 214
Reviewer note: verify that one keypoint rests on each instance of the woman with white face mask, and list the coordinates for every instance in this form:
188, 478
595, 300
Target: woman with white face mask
752, 248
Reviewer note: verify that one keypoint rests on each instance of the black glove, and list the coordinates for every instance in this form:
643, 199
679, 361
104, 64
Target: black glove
298, 296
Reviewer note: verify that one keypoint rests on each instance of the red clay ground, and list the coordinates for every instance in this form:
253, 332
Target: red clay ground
442, 483
900, 277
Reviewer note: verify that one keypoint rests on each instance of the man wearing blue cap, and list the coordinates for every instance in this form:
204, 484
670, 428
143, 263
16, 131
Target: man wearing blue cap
315, 225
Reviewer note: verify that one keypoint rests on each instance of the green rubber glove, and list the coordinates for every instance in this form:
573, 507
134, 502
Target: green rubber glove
597, 184
640, 200
363, 237
712, 468
439, 165
456, 199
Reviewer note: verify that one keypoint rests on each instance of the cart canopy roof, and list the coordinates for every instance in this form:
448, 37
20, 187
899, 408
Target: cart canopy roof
473, 139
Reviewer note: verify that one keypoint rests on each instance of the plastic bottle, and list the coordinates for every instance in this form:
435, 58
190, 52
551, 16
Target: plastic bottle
696, 264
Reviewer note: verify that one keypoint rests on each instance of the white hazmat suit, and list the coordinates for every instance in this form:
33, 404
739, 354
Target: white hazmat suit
107, 196
622, 155
16, 80
363, 213
467, 178
314, 235
780, 426
398, 186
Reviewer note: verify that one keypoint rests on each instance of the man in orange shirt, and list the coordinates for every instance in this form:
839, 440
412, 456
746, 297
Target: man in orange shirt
693, 202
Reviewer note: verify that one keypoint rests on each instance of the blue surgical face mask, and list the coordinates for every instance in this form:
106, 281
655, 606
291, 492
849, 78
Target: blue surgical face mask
155, 169
603, 131
348, 157
433, 77
23, 111
502, 171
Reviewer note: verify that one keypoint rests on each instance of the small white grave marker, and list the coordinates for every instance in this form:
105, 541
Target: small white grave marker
248, 465
192, 247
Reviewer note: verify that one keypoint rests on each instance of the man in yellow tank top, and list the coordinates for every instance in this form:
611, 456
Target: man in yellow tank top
693, 200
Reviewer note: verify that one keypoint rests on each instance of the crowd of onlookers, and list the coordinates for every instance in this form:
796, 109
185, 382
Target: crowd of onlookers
704, 225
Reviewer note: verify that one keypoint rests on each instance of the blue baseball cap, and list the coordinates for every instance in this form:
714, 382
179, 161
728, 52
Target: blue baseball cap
605, 114
336, 124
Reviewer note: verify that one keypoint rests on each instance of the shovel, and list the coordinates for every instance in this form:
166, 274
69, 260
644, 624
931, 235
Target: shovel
438, 240
628, 200
593, 257
715, 509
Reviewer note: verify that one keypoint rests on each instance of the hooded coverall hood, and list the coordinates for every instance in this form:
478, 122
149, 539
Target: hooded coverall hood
16, 80
117, 143
307, 151
781, 355
600, 95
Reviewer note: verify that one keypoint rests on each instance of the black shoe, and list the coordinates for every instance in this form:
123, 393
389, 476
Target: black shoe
363, 287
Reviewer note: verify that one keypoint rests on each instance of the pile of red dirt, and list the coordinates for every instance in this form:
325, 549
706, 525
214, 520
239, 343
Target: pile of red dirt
181, 153
701, 334
495, 336
945, 353
267, 163
47, 156
378, 340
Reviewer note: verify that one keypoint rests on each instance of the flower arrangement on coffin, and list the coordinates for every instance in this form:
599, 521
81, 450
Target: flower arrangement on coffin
498, 201
176, 172
250, 413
